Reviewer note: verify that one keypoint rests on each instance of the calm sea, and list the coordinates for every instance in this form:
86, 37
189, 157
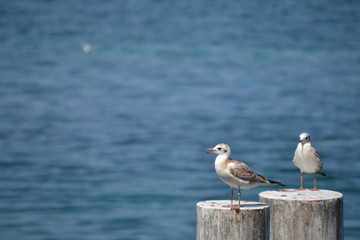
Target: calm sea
110, 144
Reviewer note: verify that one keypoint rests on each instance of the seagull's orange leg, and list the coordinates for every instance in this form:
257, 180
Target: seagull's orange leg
237, 209
301, 181
315, 188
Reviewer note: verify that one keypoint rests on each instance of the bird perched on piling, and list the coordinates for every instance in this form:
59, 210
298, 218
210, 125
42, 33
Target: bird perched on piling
236, 174
307, 159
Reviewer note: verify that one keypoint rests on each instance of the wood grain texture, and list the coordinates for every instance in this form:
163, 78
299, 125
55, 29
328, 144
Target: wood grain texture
215, 222
304, 215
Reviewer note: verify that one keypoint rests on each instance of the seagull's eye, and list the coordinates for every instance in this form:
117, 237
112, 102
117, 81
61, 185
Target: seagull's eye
219, 149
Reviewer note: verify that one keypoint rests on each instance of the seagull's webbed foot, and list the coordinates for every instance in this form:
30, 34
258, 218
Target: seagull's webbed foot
300, 189
236, 208
314, 189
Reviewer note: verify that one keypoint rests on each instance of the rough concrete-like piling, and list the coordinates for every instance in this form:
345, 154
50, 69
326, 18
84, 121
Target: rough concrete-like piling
214, 221
304, 214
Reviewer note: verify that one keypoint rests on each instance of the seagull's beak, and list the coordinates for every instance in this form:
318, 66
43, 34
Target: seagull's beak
210, 150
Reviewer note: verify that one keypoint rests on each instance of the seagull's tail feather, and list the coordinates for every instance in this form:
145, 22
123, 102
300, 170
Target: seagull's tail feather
276, 183
321, 173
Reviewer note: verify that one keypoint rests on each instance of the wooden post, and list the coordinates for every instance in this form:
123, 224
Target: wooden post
214, 221
304, 214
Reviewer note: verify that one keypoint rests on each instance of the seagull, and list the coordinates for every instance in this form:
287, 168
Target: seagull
87, 48
236, 174
307, 159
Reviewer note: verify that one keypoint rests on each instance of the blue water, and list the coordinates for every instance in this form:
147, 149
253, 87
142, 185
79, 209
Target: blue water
110, 144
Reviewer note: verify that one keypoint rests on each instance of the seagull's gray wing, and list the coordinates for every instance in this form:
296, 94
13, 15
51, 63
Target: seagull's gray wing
244, 172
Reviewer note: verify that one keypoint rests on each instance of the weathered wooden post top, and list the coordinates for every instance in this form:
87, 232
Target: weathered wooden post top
215, 220
305, 214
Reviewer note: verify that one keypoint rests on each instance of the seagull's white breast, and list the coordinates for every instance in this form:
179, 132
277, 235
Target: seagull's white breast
305, 159
222, 168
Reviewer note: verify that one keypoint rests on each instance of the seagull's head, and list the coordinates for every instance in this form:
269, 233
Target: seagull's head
220, 149
304, 137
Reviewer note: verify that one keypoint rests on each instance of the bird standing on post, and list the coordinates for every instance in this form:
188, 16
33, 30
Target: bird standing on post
236, 174
307, 159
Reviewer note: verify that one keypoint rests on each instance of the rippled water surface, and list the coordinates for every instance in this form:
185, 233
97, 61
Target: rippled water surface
110, 144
